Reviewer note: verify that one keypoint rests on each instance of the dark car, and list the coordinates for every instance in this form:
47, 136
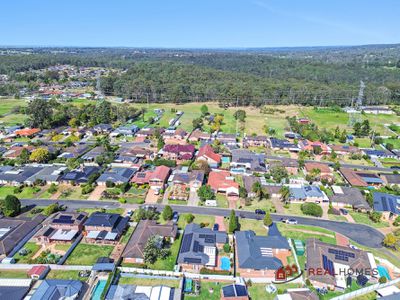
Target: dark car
260, 211
175, 217
343, 211
215, 227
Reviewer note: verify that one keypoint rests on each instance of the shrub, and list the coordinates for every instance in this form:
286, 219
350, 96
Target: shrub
52, 189
167, 213
189, 218
311, 209
227, 248
206, 271
382, 279
122, 200
110, 184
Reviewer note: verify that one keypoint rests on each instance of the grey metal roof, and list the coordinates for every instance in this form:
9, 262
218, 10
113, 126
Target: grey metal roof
305, 192
54, 289
387, 202
351, 196
117, 175
19, 174
251, 250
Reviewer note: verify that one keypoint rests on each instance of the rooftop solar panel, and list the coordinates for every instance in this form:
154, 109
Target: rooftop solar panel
241, 290
192, 260
228, 291
186, 242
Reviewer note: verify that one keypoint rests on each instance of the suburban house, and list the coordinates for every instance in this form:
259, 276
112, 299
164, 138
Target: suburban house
148, 132
74, 151
255, 141
314, 147
102, 128
193, 179
61, 227
223, 182
133, 252
348, 197
142, 292
199, 248
291, 165
50, 289
249, 181
116, 175
332, 258
14, 230
133, 154
260, 256
80, 175
198, 135
226, 138
15, 151
324, 172
248, 160
361, 178
177, 136
17, 175
309, 193
48, 174
379, 153
90, 156
282, 144
156, 178
345, 149
206, 153
128, 130
104, 228
178, 152
391, 179
387, 204
27, 132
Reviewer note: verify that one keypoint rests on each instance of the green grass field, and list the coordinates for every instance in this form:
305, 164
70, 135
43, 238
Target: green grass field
87, 254
20, 274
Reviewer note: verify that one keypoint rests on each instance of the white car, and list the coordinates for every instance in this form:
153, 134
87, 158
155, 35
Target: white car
291, 221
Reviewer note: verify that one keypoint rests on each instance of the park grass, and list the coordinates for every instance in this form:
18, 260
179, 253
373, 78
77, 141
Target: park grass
19, 274
363, 218
143, 281
394, 142
87, 254
65, 275
6, 105
303, 233
13, 119
205, 294
33, 248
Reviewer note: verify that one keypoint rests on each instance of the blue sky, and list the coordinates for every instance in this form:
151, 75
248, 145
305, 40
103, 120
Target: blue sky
199, 23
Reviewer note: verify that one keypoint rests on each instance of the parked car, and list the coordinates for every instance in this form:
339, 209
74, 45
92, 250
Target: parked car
175, 217
215, 227
129, 213
260, 211
343, 211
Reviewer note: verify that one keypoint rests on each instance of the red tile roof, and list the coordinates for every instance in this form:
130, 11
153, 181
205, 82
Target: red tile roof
27, 131
179, 148
161, 173
208, 152
218, 180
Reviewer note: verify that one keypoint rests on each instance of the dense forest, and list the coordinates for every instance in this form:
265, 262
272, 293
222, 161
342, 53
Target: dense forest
322, 76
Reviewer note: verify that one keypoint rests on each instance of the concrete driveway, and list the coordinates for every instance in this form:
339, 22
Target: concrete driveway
193, 198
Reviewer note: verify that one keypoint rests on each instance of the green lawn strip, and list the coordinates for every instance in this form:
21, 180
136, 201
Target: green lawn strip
13, 274
294, 209
125, 238
177, 202
32, 248
92, 210
309, 232
149, 281
363, 218
87, 254
337, 218
65, 275
265, 204
221, 201
248, 224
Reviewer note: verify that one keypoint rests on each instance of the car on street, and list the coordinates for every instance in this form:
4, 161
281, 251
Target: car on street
289, 221
260, 211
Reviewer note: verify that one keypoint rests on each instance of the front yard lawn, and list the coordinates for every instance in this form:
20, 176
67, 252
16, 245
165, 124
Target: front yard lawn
87, 254
265, 204
363, 218
301, 232
32, 249
294, 209
248, 224
221, 201
207, 220
13, 274
149, 281
27, 192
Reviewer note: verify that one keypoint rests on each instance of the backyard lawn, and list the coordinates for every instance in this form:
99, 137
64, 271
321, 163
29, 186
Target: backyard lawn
168, 263
65, 275
205, 291
148, 281
257, 290
32, 248
87, 254
13, 274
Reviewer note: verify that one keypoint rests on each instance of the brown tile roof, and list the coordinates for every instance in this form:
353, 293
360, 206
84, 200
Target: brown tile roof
309, 166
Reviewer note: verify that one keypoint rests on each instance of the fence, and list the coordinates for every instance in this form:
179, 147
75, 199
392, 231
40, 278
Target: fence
23, 241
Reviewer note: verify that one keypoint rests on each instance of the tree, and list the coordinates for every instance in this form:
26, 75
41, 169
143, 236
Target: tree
312, 209
153, 250
390, 147
279, 173
39, 113
103, 112
390, 241
204, 110
40, 155
189, 218
12, 206
240, 115
260, 192
160, 143
51, 209
267, 219
167, 213
197, 123
242, 192
375, 216
285, 193
233, 222
24, 156
205, 193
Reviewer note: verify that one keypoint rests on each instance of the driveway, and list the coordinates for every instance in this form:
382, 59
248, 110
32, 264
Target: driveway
151, 197
97, 192
193, 199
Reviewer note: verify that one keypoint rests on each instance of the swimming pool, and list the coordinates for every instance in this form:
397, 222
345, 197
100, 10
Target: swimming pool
383, 272
225, 263
98, 290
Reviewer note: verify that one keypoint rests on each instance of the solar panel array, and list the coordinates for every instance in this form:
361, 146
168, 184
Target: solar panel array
341, 253
80, 217
328, 265
141, 175
362, 280
197, 247
186, 242
208, 238
192, 260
